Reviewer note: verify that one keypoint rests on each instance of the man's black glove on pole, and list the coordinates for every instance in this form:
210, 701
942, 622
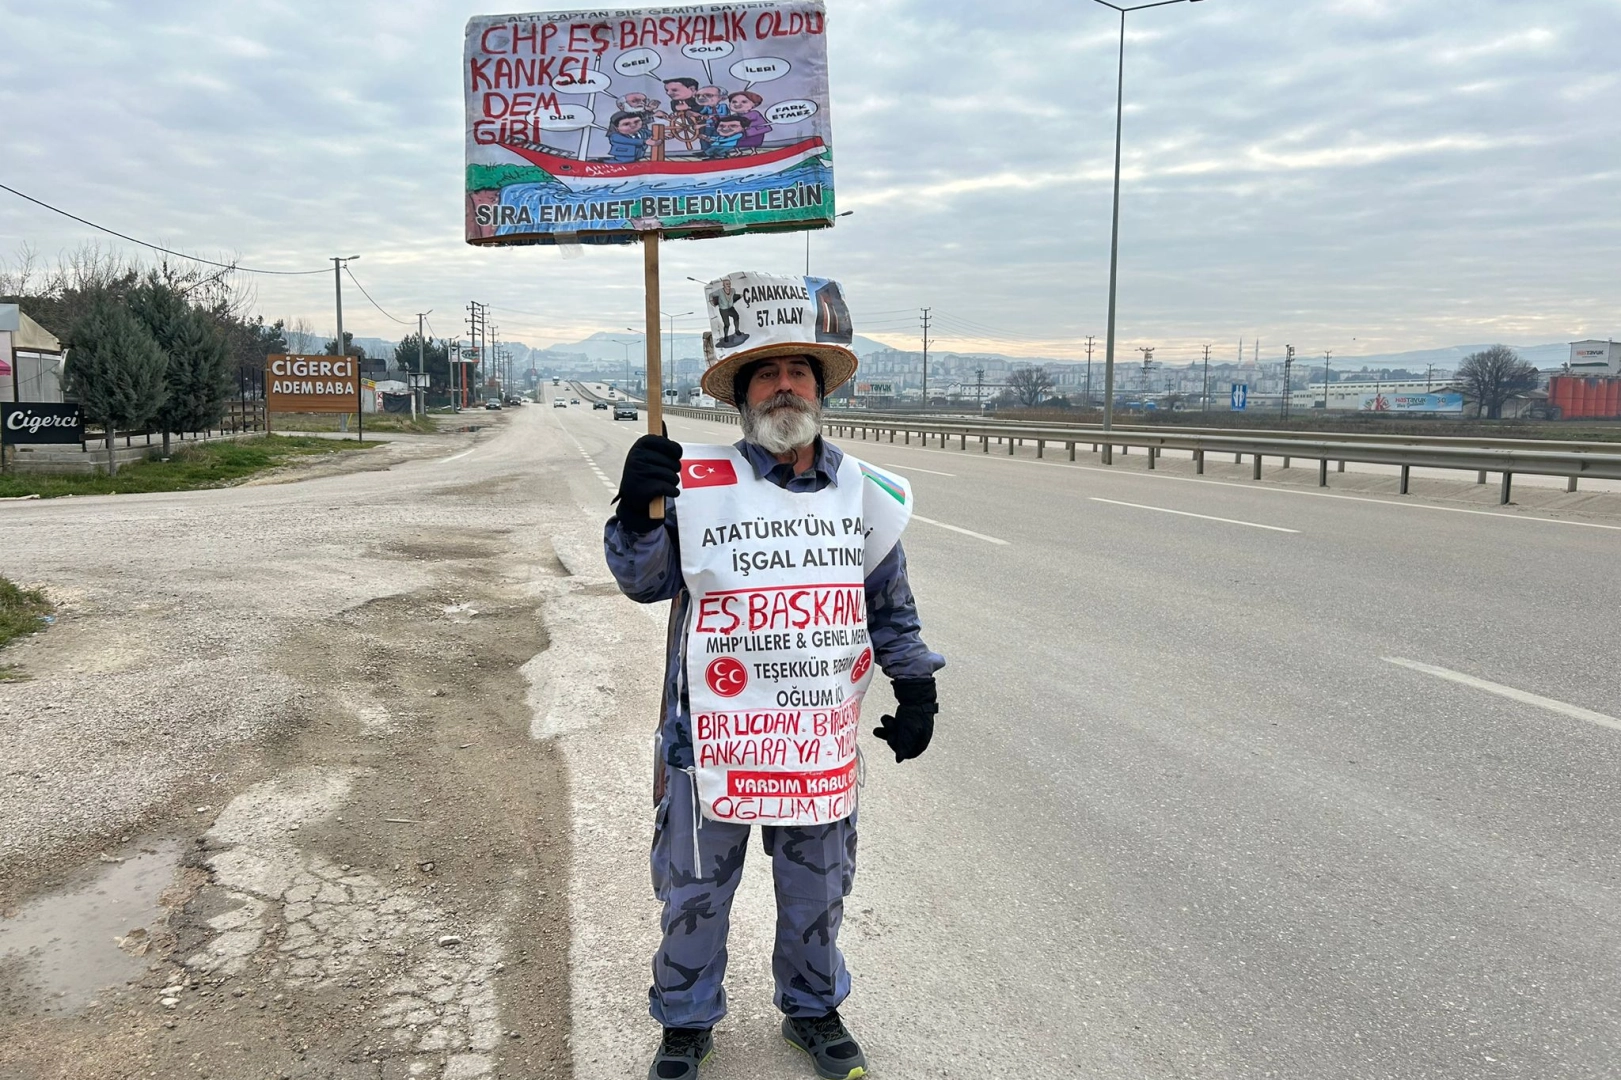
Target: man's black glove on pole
652, 471
908, 732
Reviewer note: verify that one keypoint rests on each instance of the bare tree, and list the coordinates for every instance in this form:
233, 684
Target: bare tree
1492, 376
1029, 384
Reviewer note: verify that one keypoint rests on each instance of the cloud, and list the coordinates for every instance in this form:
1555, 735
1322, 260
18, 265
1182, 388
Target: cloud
1306, 172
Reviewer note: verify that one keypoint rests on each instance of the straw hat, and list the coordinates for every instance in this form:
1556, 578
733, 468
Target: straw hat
763, 316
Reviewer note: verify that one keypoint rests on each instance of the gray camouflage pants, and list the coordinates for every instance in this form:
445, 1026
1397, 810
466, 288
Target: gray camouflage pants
812, 867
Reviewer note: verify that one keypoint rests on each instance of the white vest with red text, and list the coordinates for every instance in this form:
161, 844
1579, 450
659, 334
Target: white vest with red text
778, 657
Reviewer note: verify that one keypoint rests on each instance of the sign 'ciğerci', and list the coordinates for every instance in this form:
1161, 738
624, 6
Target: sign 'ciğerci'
601, 125
310, 384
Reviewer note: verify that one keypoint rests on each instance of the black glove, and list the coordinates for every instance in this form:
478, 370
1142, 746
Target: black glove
652, 471
908, 732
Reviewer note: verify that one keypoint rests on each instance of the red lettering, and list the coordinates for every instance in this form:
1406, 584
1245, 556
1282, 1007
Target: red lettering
496, 105
627, 34
667, 31
547, 32
522, 32
650, 32
602, 34
478, 71
762, 25
757, 611
734, 26
484, 39
579, 36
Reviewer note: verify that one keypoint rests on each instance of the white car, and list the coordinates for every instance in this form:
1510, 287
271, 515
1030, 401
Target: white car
559, 403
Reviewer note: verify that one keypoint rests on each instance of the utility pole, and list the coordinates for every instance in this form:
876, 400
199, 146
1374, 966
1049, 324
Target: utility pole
1205, 397
476, 318
1090, 338
1328, 354
979, 388
343, 354
926, 320
1288, 365
421, 347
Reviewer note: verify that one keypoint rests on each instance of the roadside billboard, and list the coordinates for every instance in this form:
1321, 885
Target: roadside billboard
1412, 403
876, 389
598, 126
311, 384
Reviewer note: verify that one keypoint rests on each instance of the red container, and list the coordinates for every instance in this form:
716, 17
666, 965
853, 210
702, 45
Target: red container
1582, 406
1614, 410
1559, 394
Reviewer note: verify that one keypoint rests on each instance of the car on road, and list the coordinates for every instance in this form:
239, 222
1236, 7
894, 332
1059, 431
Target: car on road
624, 410
514, 401
573, 401
559, 403
599, 405
493, 403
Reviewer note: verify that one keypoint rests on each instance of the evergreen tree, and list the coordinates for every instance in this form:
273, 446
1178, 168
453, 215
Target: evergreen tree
115, 371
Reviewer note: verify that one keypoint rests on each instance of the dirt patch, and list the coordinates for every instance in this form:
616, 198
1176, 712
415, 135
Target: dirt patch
391, 901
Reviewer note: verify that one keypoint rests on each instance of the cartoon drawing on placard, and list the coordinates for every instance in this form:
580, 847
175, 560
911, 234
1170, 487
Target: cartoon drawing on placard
599, 125
724, 301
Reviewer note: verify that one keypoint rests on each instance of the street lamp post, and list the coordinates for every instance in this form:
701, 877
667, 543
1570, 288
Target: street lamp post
626, 346
641, 340
1114, 233
808, 232
671, 340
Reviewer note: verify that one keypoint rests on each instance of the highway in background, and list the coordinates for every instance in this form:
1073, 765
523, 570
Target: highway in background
1229, 780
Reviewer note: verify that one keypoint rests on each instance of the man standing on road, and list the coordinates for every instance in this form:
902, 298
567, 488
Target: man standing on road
783, 558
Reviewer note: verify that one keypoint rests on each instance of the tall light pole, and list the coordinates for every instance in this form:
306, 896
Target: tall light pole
671, 339
1114, 233
338, 264
642, 340
808, 232
627, 345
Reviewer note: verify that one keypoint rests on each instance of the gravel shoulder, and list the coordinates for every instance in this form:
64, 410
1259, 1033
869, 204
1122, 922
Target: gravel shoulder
297, 715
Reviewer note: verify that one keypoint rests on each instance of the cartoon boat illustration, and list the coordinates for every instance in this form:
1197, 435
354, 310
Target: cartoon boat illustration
577, 172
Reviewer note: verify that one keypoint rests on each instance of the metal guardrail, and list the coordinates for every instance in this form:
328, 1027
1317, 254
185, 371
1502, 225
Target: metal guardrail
1504, 456
1477, 441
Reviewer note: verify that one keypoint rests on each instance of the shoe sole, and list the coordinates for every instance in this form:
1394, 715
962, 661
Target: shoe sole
859, 1070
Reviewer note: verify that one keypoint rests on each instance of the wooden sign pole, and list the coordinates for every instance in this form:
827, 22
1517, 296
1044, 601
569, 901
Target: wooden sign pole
655, 367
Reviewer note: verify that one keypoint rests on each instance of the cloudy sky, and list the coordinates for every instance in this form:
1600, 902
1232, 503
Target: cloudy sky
1357, 175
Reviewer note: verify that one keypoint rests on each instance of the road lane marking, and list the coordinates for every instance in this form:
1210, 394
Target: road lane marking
914, 468
454, 457
1203, 517
1108, 471
958, 529
1575, 712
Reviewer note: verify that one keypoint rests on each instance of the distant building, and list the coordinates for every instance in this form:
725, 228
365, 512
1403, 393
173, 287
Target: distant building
1595, 358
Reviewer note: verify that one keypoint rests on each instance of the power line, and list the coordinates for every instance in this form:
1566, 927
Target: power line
155, 247
367, 295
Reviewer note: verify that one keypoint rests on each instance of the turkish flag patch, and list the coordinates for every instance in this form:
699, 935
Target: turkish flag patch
707, 472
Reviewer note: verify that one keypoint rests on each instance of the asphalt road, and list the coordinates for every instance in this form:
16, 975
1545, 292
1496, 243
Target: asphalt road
1230, 780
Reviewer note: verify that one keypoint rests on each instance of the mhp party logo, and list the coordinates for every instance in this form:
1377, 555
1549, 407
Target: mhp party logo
707, 472
726, 676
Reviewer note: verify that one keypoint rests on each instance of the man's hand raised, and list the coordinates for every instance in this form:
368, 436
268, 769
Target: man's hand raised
652, 471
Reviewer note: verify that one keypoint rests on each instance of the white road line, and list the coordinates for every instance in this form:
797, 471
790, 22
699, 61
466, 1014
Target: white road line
1575, 712
454, 457
956, 529
1108, 471
914, 468
1204, 517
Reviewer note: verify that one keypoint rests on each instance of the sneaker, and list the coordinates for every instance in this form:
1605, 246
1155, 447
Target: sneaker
831, 1047
680, 1054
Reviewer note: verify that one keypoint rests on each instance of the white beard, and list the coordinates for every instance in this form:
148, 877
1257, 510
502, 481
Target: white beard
782, 424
